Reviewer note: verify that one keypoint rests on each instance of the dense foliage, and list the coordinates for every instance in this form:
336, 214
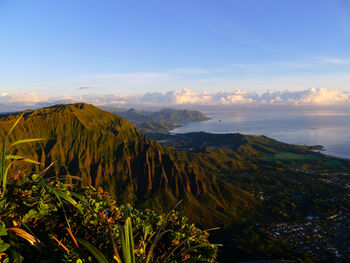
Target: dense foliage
55, 215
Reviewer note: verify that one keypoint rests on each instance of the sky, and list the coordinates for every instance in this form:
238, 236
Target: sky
107, 51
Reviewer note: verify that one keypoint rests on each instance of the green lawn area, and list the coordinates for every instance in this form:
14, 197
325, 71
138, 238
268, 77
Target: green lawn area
289, 156
305, 159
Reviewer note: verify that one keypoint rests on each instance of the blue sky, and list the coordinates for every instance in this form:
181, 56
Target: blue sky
132, 47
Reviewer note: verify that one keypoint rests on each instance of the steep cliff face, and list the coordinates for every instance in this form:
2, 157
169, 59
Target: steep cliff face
106, 150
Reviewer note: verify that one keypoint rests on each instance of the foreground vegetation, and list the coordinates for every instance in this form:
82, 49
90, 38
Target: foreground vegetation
44, 219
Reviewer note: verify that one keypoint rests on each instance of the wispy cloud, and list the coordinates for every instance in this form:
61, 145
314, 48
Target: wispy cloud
333, 61
324, 71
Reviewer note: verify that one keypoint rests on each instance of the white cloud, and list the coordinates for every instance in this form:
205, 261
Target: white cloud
312, 97
323, 96
308, 97
26, 98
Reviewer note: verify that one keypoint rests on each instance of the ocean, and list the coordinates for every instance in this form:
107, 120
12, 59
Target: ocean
330, 128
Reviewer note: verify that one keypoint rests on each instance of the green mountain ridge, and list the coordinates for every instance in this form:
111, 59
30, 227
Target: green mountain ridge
106, 150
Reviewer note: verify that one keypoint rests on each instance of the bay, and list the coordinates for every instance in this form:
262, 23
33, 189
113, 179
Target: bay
330, 128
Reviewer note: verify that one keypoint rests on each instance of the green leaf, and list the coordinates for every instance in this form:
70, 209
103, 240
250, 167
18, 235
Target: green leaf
80, 197
3, 231
93, 250
32, 213
128, 244
4, 247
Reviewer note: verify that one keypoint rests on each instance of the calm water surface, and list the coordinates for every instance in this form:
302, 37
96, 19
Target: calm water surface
328, 128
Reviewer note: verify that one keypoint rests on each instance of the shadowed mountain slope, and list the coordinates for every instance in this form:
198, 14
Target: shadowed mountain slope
106, 150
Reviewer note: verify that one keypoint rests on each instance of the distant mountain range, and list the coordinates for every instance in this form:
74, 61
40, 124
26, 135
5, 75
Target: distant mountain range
167, 114
162, 121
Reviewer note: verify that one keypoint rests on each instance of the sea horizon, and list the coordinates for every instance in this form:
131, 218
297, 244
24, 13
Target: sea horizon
329, 128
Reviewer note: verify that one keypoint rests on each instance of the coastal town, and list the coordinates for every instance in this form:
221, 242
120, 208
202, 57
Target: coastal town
325, 237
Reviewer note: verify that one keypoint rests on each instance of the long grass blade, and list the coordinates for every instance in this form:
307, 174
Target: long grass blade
3, 157
2, 164
28, 228
93, 250
64, 196
130, 256
14, 125
116, 254
80, 197
25, 235
4, 178
20, 158
27, 141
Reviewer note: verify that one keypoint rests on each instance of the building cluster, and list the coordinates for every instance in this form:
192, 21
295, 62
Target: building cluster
323, 238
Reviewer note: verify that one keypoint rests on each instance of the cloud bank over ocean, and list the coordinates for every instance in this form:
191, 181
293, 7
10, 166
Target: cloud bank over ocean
318, 97
309, 97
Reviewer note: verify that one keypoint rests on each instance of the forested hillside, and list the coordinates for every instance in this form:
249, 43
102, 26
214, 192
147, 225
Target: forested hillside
106, 150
